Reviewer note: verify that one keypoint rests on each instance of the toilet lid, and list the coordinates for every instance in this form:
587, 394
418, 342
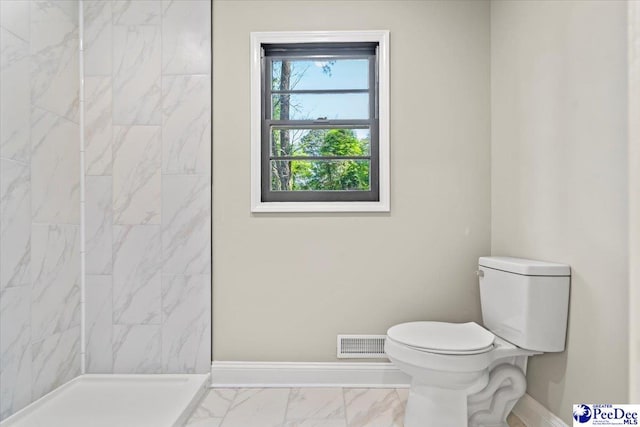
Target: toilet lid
443, 337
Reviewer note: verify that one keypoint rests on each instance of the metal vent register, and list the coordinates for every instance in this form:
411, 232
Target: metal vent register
361, 347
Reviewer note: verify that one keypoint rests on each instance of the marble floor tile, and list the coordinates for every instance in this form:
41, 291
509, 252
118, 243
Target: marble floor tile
514, 421
373, 407
214, 406
316, 423
257, 407
315, 403
404, 395
206, 422
305, 407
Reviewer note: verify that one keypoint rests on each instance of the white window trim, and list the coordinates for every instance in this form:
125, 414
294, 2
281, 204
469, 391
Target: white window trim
382, 38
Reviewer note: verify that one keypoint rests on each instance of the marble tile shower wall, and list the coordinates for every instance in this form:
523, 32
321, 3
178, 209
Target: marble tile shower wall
39, 199
147, 98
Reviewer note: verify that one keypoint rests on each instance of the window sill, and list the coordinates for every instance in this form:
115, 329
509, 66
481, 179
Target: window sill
282, 207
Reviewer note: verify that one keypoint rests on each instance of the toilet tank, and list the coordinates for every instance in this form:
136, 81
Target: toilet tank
526, 302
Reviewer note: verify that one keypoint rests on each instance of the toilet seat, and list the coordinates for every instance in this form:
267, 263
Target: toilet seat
443, 338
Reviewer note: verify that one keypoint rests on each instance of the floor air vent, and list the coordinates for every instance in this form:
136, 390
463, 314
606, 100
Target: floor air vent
361, 347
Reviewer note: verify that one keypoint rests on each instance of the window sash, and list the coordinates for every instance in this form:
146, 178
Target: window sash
271, 125
317, 91
269, 195
268, 91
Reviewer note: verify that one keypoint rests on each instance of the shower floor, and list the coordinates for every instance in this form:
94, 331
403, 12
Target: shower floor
115, 400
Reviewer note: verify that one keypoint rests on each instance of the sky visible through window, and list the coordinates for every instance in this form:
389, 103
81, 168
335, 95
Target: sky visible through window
339, 74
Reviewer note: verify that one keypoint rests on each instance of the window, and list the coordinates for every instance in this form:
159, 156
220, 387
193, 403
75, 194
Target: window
320, 122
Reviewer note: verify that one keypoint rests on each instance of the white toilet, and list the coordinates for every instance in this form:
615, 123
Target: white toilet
464, 374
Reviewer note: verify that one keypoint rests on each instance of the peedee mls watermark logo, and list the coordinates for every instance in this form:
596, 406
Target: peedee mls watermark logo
605, 415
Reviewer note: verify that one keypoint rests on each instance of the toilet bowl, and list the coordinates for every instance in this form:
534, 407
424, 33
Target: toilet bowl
465, 374
445, 373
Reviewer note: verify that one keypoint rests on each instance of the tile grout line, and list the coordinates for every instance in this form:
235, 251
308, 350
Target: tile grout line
286, 408
404, 409
112, 125
83, 291
344, 402
161, 142
235, 396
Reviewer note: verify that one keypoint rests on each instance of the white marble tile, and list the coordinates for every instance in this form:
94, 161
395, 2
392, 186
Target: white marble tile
212, 408
316, 403
186, 124
373, 408
55, 169
15, 97
54, 45
186, 229
205, 422
137, 302
99, 326
316, 423
97, 38
136, 274
55, 267
56, 360
186, 36
136, 12
136, 75
137, 154
403, 393
99, 227
98, 126
136, 349
15, 224
136, 252
186, 319
15, 349
54, 10
258, 407
14, 16
514, 421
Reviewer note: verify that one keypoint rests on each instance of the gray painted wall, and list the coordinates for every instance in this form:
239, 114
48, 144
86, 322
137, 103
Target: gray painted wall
286, 284
559, 179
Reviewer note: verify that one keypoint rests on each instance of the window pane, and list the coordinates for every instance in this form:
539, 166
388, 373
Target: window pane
320, 175
343, 106
320, 142
320, 74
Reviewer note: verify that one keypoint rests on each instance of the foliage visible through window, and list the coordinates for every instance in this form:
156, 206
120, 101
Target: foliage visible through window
319, 122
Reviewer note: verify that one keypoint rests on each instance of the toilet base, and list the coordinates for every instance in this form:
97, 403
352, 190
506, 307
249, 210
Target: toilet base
435, 407
491, 406
486, 403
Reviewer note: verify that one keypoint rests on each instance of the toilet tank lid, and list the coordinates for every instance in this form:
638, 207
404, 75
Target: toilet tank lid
527, 267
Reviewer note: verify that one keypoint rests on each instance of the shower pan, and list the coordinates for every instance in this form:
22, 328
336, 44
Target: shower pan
115, 400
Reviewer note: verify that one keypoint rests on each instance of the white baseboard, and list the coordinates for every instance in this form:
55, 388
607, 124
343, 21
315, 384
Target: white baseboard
533, 414
302, 374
